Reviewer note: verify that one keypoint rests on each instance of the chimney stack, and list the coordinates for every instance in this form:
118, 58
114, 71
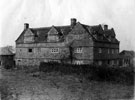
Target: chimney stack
26, 26
73, 22
105, 27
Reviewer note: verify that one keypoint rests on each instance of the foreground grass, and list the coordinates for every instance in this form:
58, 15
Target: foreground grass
58, 86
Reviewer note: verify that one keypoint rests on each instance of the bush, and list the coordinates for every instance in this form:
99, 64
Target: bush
92, 72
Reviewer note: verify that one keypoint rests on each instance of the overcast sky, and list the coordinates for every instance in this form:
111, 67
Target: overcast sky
119, 14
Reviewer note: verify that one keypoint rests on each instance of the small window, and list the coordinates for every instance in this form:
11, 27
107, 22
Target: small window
55, 50
19, 60
79, 62
108, 51
112, 51
99, 62
108, 62
76, 36
112, 62
79, 50
29, 50
100, 50
117, 51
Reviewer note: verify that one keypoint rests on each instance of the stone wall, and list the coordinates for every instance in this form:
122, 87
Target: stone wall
38, 54
87, 53
108, 55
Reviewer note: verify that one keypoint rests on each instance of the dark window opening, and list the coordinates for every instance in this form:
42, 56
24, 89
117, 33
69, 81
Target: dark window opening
108, 62
29, 50
19, 60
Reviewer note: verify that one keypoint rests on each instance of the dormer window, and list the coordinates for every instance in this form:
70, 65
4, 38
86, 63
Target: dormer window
53, 38
53, 35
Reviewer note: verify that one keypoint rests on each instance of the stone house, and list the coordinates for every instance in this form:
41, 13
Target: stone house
76, 43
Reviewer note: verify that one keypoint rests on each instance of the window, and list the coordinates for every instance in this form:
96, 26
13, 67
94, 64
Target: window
79, 50
100, 50
76, 36
55, 50
79, 62
19, 60
99, 62
108, 51
53, 38
112, 51
117, 51
112, 62
29, 50
28, 39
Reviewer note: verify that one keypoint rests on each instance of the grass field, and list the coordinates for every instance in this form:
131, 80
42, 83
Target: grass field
19, 85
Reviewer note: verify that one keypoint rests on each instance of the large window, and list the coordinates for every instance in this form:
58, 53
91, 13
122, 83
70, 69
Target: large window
79, 50
55, 50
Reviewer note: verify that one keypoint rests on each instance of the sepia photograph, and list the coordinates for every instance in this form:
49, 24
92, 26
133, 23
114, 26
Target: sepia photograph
67, 49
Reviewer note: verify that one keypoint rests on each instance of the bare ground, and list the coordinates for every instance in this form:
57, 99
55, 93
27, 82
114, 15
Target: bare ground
19, 85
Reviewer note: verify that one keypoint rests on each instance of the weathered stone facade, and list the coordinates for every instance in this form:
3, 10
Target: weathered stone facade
76, 43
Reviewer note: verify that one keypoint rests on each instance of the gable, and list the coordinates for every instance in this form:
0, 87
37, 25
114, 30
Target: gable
24, 35
53, 31
28, 32
77, 33
53, 35
78, 29
20, 38
28, 36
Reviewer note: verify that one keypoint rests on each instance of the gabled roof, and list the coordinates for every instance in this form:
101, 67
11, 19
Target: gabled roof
94, 31
5, 51
110, 32
40, 33
126, 53
97, 31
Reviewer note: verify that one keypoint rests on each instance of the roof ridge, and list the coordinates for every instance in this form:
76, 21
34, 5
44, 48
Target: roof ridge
40, 28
